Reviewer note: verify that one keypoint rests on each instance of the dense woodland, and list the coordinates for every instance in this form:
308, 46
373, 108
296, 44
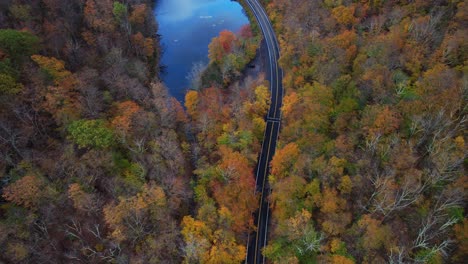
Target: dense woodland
371, 164
227, 125
100, 165
92, 167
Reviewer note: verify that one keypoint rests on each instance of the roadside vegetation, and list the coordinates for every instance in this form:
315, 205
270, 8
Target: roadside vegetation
371, 164
99, 164
226, 118
229, 55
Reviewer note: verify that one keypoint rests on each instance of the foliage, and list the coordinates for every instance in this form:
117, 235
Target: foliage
8, 85
83, 72
227, 141
229, 53
119, 11
367, 107
26, 191
18, 44
129, 217
91, 133
52, 67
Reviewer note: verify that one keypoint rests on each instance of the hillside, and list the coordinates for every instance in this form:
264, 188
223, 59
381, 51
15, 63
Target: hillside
371, 167
91, 164
99, 164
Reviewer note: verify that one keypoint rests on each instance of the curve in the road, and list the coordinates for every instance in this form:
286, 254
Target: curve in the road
258, 240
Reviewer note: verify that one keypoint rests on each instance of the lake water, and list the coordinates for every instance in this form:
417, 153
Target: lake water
186, 28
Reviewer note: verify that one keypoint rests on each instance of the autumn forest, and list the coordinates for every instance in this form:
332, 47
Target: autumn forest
99, 163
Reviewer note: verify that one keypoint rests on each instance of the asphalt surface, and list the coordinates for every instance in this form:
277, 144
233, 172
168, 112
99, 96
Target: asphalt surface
258, 239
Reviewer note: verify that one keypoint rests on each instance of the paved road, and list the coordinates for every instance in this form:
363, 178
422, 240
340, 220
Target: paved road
258, 240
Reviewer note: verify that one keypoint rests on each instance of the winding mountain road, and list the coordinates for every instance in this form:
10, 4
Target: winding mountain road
258, 239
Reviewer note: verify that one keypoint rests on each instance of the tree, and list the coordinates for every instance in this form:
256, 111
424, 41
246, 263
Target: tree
136, 217
224, 250
380, 120
120, 11
61, 99
262, 100
125, 112
17, 251
98, 15
298, 243
8, 85
283, 162
220, 46
335, 218
346, 185
91, 133
81, 200
258, 129
461, 234
289, 102
288, 196
26, 191
138, 14
344, 15
197, 237
375, 235
191, 102
246, 32
52, 67
237, 191
21, 12
338, 259
18, 44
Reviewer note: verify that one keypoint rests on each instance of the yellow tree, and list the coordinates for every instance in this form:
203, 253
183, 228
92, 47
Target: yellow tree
61, 99
26, 191
202, 245
132, 217
289, 102
262, 100
237, 191
283, 162
224, 250
344, 15
125, 112
191, 102
197, 236
375, 235
334, 216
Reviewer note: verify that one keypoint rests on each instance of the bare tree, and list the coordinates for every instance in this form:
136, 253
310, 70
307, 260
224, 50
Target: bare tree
195, 74
436, 224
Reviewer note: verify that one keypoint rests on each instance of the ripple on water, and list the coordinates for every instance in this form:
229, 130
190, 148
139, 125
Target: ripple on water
186, 28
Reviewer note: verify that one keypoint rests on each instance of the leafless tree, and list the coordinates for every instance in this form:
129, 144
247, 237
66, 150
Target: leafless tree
397, 256
195, 74
436, 224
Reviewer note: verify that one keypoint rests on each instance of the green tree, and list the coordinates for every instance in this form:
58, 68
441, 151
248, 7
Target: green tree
120, 11
18, 44
91, 133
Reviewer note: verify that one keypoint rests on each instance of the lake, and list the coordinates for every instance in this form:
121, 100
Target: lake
186, 28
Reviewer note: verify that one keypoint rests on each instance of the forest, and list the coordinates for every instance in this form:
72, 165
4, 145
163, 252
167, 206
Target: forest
99, 164
371, 164
92, 164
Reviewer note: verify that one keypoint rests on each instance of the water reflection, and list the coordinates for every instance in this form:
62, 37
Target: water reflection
178, 10
187, 27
